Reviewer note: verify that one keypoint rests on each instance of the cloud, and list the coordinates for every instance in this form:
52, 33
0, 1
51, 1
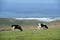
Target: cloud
41, 19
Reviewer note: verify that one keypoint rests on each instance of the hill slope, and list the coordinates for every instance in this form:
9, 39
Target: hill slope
6, 22
54, 24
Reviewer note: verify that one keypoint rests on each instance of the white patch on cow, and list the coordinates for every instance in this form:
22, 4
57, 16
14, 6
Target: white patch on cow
39, 25
13, 27
17, 30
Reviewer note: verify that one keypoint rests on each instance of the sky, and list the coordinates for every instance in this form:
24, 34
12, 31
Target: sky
29, 8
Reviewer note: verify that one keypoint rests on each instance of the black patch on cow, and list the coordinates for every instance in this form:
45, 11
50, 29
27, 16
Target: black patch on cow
42, 25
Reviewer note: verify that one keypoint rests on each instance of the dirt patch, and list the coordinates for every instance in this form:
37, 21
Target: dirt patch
5, 29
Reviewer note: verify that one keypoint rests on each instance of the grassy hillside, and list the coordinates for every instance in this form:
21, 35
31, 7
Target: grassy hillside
54, 24
31, 22
6, 22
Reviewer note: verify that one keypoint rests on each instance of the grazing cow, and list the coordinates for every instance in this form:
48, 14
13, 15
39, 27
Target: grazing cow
42, 26
16, 27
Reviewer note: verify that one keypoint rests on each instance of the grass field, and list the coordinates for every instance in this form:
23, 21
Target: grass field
29, 30
49, 34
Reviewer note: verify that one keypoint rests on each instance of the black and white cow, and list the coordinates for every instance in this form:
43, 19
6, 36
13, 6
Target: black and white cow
16, 27
42, 26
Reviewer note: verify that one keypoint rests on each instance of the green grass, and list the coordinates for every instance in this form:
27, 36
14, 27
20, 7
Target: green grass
50, 34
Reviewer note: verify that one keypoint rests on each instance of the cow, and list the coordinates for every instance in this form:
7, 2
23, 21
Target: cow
42, 26
16, 27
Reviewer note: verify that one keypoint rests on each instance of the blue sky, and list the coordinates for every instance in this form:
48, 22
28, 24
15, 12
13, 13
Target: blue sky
29, 8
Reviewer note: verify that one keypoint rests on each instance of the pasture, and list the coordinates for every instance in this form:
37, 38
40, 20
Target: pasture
30, 31
49, 34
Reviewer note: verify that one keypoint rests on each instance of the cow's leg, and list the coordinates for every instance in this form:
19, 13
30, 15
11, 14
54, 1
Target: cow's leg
44, 28
39, 27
